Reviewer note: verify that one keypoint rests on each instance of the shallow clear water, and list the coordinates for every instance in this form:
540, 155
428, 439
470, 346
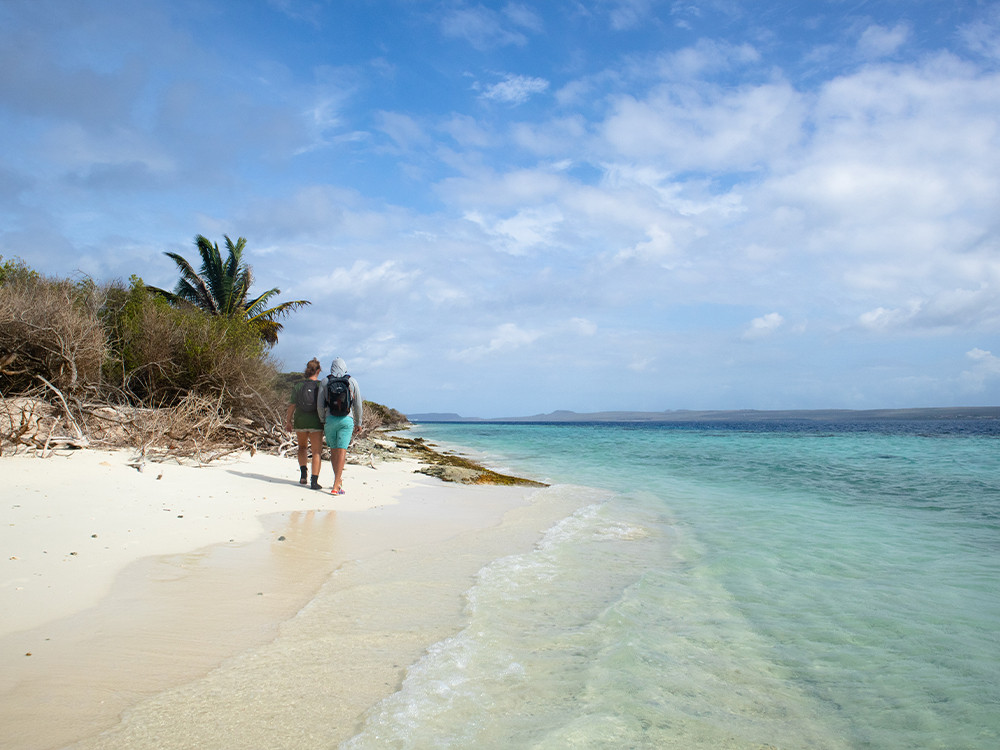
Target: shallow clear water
789, 585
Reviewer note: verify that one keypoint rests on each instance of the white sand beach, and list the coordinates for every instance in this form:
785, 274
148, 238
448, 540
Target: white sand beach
226, 605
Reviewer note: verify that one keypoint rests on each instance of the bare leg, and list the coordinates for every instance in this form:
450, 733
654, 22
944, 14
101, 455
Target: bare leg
338, 457
316, 443
303, 440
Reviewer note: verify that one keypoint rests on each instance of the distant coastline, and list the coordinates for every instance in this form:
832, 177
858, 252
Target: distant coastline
736, 415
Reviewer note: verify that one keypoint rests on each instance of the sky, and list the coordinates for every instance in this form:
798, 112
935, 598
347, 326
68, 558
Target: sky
509, 208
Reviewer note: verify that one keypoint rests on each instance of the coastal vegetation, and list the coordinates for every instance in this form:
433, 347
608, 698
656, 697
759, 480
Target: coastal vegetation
222, 288
184, 375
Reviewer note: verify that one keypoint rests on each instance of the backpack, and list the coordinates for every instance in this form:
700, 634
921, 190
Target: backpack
305, 400
338, 396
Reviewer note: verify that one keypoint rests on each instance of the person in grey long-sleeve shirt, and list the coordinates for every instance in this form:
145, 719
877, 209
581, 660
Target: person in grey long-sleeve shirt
339, 430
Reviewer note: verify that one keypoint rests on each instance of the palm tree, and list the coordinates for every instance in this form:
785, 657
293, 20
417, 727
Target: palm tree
222, 288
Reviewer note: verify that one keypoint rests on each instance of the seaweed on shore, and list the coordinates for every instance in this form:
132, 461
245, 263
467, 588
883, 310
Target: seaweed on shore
450, 467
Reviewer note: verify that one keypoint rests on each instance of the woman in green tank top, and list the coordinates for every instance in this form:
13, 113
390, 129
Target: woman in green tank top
303, 417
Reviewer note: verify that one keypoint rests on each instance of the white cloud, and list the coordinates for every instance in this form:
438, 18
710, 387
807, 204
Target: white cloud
515, 89
658, 246
627, 14
641, 364
982, 36
528, 229
882, 319
505, 338
985, 368
309, 11
362, 279
524, 16
468, 132
484, 28
705, 128
945, 311
763, 326
703, 59
879, 41
509, 190
76, 149
583, 327
403, 129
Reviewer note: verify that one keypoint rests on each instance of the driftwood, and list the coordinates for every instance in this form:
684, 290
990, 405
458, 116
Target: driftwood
197, 430
32, 424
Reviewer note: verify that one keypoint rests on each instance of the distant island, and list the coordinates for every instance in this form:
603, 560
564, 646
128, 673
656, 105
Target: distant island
737, 415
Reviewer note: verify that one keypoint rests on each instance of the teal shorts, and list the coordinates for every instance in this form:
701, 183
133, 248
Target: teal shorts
339, 431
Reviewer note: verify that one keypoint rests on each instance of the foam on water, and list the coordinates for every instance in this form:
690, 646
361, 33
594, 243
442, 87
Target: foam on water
740, 589
598, 638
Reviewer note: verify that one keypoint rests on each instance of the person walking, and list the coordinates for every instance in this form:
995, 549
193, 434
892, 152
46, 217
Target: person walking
303, 416
340, 408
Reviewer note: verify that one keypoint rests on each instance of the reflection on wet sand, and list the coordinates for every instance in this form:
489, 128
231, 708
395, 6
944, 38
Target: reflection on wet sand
167, 620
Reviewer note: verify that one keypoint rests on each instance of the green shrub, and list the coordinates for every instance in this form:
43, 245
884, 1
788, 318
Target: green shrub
159, 354
15, 270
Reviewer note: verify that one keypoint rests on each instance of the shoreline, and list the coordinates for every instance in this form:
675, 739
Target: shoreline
193, 571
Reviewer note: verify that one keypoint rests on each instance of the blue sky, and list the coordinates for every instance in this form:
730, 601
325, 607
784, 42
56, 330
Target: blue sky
503, 209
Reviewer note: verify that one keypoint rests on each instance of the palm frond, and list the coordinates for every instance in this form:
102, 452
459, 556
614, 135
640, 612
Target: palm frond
222, 288
278, 311
172, 298
191, 286
268, 330
213, 273
168, 296
254, 307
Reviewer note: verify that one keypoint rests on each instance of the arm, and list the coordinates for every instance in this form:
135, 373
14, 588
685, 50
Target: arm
290, 411
357, 405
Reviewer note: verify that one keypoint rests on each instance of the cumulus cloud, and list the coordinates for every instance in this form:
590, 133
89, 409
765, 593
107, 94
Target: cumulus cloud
506, 338
985, 368
707, 128
763, 326
528, 229
363, 279
882, 319
945, 310
658, 246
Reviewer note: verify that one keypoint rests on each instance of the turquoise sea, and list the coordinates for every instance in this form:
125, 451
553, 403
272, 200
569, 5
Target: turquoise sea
723, 585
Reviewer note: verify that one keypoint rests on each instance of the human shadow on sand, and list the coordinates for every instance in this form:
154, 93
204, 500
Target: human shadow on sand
270, 479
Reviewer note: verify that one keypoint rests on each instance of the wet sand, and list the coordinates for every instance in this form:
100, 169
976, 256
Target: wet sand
274, 618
